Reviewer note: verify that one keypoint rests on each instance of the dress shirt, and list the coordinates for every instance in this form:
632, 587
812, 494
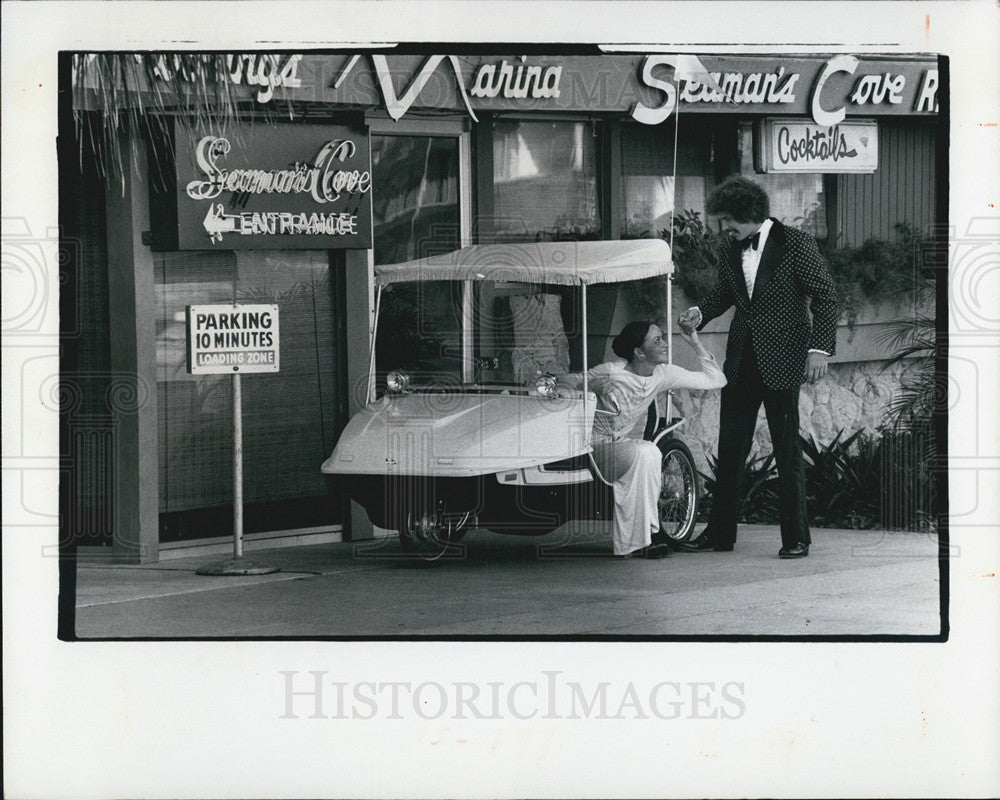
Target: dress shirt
751, 257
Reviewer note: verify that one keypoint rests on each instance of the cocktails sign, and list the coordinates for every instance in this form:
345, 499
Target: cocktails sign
796, 145
272, 186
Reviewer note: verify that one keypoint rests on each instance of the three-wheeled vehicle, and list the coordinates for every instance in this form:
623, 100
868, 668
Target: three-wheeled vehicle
494, 442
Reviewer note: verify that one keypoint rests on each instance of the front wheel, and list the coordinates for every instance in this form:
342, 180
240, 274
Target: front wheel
431, 535
678, 501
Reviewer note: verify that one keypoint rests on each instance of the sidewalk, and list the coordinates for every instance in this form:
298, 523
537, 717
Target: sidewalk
854, 583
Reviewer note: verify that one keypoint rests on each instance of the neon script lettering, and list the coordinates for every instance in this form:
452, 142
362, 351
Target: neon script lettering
323, 180
266, 71
876, 88
739, 87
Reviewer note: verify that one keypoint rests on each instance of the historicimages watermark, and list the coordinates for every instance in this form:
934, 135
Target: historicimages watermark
318, 694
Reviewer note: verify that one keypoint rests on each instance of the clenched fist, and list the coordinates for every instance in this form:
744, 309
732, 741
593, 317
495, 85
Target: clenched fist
689, 320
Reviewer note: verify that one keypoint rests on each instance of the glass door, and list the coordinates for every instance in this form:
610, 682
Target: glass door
291, 418
420, 202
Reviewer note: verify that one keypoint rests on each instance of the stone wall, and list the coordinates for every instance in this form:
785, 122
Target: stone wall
853, 396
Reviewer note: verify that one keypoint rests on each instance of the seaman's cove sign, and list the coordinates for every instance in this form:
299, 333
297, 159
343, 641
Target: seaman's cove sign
797, 145
287, 186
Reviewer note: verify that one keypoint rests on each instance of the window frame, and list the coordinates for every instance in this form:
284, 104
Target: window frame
605, 158
446, 128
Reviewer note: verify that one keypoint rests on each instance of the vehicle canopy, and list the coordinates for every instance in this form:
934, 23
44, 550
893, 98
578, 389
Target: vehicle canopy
561, 263
476, 430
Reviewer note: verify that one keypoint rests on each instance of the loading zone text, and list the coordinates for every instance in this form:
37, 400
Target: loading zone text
233, 338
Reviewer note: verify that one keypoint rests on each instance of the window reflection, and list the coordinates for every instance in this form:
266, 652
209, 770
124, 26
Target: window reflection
651, 195
545, 181
415, 213
414, 197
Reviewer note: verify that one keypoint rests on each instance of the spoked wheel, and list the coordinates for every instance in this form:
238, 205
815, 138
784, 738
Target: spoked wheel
431, 535
678, 502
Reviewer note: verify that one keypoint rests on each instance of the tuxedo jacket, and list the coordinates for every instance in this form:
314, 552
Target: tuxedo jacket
790, 276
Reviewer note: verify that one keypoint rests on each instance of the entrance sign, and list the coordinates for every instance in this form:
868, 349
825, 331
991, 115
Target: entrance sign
797, 145
281, 186
232, 339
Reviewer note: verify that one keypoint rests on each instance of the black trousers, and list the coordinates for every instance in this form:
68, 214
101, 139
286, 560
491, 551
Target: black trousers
741, 401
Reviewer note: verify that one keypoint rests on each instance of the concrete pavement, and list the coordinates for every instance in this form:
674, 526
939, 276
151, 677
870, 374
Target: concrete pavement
854, 583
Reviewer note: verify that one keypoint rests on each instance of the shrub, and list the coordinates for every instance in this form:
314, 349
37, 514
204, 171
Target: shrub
843, 486
877, 271
880, 271
864, 481
758, 490
922, 390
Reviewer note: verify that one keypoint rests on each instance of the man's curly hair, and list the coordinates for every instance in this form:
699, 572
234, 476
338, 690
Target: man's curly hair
741, 199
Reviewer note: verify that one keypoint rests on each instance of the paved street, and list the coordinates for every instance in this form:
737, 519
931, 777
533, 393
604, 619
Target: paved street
854, 583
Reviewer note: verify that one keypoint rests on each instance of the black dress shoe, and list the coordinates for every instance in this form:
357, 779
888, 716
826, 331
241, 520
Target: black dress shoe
702, 544
799, 551
695, 545
649, 551
654, 551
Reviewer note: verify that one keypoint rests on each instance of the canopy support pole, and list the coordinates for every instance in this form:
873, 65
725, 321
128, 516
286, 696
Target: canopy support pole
468, 323
673, 211
370, 392
583, 296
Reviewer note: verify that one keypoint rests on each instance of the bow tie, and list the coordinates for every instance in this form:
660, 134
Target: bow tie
750, 241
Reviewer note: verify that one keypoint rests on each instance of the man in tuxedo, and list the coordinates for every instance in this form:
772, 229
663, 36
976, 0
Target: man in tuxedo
771, 274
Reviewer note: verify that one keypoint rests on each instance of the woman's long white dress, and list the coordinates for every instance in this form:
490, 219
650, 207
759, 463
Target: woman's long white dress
623, 456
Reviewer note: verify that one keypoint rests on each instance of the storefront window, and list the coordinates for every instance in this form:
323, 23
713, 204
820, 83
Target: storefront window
290, 418
545, 180
796, 200
648, 185
414, 197
415, 202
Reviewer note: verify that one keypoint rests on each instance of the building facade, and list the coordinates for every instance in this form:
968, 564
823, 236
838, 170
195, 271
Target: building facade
444, 151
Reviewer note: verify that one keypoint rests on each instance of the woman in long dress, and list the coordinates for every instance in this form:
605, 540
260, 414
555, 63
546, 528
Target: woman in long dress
624, 390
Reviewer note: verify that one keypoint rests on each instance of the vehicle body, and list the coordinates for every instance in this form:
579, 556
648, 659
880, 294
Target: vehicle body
437, 457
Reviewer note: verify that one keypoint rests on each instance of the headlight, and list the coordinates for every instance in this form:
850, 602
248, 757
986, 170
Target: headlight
546, 386
397, 382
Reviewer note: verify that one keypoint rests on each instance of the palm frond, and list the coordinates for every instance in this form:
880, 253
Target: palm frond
121, 98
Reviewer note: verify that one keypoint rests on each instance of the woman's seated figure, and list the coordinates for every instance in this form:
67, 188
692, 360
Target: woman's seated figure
625, 388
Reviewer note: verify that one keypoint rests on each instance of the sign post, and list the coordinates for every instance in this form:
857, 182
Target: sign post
234, 339
237, 467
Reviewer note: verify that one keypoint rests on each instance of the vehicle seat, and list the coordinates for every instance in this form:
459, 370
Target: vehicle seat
657, 416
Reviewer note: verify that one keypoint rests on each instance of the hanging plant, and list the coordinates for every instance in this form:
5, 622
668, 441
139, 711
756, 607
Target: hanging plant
878, 271
881, 271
